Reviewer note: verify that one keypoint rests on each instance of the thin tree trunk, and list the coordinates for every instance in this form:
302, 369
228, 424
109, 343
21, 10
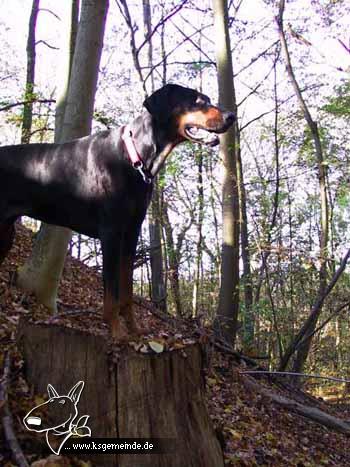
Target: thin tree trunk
248, 319
147, 21
199, 222
305, 334
200, 210
42, 272
154, 218
227, 314
173, 258
30, 79
312, 413
66, 66
267, 250
303, 351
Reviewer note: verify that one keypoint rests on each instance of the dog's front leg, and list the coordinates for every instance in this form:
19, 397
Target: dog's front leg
126, 295
111, 241
127, 259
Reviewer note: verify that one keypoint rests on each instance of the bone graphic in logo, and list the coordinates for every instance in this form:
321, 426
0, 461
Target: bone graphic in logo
58, 417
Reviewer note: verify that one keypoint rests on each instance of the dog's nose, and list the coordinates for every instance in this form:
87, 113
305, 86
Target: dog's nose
229, 118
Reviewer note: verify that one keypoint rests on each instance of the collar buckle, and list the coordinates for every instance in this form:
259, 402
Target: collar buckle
134, 156
138, 165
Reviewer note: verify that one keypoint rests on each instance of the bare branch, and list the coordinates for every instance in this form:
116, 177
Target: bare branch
347, 48
255, 59
6, 77
164, 58
188, 38
32, 101
160, 23
284, 101
259, 84
196, 30
51, 13
39, 130
47, 45
124, 10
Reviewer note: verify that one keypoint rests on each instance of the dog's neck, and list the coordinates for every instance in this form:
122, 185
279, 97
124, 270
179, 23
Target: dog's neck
151, 142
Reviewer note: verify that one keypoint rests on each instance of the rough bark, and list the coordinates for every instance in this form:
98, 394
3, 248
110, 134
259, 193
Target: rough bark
127, 394
226, 321
42, 272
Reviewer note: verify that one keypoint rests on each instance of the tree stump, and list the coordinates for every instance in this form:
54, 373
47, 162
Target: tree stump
127, 394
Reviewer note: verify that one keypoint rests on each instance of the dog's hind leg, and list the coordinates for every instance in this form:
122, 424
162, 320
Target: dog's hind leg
7, 235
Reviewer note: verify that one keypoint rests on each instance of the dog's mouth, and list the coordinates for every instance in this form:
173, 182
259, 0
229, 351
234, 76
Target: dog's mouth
33, 421
201, 135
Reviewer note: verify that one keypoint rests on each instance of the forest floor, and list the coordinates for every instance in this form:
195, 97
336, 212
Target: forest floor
252, 429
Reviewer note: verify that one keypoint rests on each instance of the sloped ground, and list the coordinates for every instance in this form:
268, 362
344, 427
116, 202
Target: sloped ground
252, 430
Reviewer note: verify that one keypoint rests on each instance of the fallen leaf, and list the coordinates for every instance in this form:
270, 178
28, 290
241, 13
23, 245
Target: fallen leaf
157, 347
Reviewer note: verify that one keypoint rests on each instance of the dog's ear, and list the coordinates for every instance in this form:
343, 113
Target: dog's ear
52, 391
74, 393
159, 103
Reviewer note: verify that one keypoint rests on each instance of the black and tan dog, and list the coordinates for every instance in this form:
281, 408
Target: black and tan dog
101, 185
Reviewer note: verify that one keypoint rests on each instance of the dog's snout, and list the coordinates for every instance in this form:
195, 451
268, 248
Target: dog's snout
229, 118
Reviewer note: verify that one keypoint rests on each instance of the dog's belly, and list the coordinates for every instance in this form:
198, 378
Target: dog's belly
82, 220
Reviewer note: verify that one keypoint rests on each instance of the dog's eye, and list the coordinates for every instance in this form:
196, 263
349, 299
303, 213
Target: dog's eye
62, 401
201, 100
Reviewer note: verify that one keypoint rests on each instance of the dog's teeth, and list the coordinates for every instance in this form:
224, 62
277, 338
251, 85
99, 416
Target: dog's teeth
34, 421
193, 131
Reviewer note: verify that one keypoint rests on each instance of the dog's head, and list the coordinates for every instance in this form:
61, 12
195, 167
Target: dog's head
189, 114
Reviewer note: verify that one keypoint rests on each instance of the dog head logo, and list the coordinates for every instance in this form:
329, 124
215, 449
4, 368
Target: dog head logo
58, 417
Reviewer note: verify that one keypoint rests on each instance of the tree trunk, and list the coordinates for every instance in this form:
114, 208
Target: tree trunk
226, 321
30, 80
65, 67
199, 225
155, 227
147, 21
173, 259
303, 350
309, 412
248, 318
42, 272
127, 394
305, 334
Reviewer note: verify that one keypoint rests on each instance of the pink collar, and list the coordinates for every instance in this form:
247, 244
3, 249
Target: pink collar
134, 156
